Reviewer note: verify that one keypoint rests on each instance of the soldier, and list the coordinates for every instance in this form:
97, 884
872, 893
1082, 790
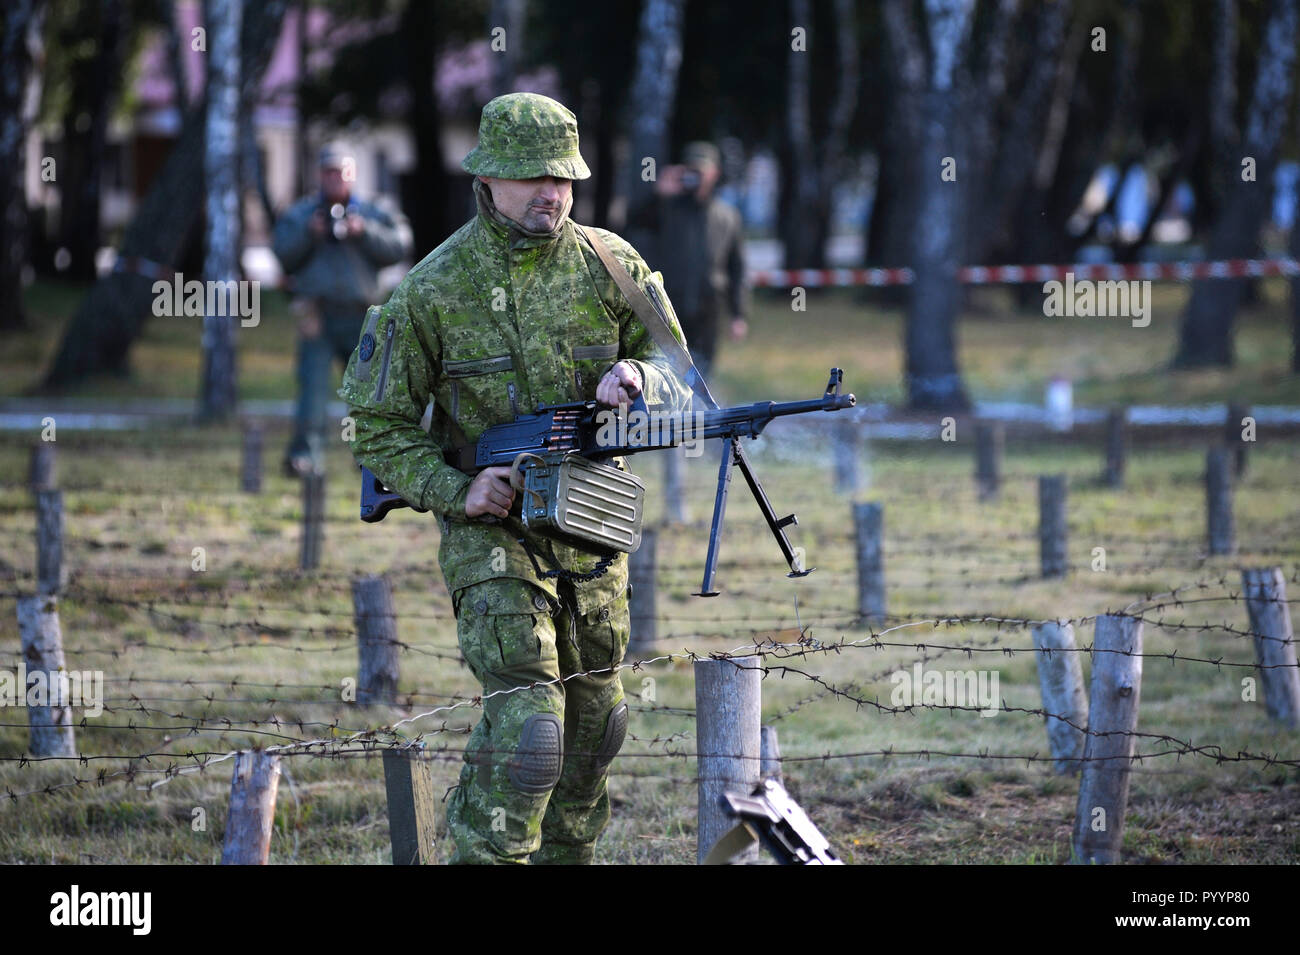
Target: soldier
700, 241
334, 245
513, 310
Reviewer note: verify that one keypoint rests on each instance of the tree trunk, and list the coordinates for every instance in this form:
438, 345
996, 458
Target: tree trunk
1293, 248
606, 128
425, 193
94, 88
801, 177
217, 393
175, 52
114, 311
649, 110
1206, 334
1028, 135
893, 212
980, 116
23, 22
933, 381
510, 15
1224, 135
1040, 232
813, 172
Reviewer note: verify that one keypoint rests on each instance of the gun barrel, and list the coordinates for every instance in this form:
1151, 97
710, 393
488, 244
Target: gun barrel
751, 419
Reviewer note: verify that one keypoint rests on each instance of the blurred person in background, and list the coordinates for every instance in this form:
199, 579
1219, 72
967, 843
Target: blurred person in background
701, 252
333, 245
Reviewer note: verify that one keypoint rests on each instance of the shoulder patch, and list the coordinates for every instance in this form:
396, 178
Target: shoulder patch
366, 349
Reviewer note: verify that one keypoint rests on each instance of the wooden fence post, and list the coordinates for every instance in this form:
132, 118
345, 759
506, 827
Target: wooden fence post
253, 788
50, 575
642, 570
1116, 448
250, 464
1060, 679
1107, 755
869, 527
379, 666
1270, 621
411, 803
1221, 529
770, 753
727, 739
50, 727
313, 519
1232, 436
1052, 534
989, 441
846, 449
43, 472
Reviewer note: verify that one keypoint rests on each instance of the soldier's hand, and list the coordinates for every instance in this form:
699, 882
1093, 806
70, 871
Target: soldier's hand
355, 223
619, 385
490, 493
739, 328
317, 224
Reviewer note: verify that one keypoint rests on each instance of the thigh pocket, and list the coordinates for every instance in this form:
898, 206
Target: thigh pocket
504, 627
605, 633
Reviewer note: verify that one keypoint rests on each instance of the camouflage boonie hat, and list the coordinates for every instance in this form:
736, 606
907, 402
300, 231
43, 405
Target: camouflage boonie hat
526, 135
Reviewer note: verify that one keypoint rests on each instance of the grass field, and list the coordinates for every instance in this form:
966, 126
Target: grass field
1004, 354
249, 651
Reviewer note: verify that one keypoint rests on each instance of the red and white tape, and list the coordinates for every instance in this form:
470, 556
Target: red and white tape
997, 274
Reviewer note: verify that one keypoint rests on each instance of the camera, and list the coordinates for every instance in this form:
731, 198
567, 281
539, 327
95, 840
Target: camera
336, 215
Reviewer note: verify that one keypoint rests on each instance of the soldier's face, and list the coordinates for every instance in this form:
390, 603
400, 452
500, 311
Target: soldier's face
536, 204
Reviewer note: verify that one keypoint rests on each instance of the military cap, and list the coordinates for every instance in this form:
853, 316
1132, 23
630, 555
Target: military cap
526, 135
701, 153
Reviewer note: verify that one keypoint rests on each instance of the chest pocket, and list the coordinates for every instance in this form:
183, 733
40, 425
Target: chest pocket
589, 362
481, 391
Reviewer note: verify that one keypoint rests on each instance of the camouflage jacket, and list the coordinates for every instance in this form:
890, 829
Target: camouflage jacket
490, 324
343, 271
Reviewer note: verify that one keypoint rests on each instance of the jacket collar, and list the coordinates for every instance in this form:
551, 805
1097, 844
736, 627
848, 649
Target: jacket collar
507, 230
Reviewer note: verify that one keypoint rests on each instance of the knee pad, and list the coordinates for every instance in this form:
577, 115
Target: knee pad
535, 767
612, 741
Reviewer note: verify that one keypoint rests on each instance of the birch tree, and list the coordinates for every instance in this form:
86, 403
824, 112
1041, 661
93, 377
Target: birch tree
221, 177
650, 109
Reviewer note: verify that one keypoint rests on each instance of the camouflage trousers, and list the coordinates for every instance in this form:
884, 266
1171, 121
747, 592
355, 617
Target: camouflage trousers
533, 787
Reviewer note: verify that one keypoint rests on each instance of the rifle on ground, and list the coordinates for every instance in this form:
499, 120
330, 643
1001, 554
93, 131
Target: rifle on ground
772, 817
554, 456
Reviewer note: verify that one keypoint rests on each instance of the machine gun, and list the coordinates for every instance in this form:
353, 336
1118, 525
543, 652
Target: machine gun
770, 816
554, 455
